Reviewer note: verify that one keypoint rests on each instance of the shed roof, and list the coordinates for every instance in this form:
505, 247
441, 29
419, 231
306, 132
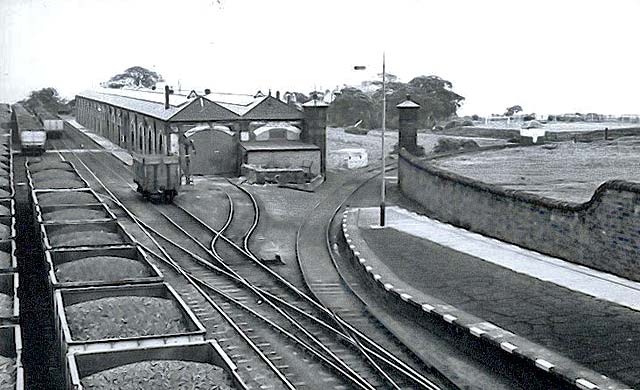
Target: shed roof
143, 106
151, 102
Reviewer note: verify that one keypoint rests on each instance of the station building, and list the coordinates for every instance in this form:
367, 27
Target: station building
259, 136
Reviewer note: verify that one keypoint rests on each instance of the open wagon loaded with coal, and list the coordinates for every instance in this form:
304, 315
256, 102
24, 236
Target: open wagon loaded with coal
7, 235
201, 365
84, 267
9, 303
83, 234
11, 372
71, 197
6, 168
127, 316
54, 174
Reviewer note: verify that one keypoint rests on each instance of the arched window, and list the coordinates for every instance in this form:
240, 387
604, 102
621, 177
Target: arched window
150, 139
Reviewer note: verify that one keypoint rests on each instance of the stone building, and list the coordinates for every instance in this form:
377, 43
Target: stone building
256, 135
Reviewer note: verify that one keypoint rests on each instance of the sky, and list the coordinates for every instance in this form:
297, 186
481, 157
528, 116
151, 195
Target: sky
549, 56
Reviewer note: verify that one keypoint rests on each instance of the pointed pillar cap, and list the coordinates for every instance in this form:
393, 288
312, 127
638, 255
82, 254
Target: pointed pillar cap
408, 103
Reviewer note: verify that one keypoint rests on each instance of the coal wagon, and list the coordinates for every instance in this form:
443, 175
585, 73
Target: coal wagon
157, 176
52, 123
33, 137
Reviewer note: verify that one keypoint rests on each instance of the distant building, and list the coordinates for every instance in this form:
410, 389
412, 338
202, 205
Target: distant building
231, 133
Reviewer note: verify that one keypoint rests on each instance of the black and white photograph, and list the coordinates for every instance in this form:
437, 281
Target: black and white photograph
319, 195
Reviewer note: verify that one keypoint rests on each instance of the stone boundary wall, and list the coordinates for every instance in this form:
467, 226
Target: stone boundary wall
553, 136
602, 233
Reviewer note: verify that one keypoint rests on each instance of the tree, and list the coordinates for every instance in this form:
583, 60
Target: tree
136, 76
351, 106
434, 95
47, 98
513, 110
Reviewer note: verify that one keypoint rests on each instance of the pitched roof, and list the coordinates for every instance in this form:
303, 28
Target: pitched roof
315, 103
408, 104
134, 102
151, 103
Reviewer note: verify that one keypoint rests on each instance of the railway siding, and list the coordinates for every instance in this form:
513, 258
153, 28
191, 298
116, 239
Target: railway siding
102, 285
10, 330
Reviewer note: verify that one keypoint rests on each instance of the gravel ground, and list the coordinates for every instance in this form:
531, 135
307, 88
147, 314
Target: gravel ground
123, 317
101, 268
569, 172
159, 375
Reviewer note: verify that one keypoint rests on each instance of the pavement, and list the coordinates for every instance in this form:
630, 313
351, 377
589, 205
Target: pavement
567, 319
120, 153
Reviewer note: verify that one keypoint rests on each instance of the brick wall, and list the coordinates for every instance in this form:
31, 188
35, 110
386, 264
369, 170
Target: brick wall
603, 233
286, 158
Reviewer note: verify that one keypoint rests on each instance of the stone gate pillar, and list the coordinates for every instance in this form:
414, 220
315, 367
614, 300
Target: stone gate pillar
315, 128
408, 126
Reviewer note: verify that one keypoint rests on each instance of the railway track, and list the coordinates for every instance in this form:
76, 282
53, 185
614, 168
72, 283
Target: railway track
273, 330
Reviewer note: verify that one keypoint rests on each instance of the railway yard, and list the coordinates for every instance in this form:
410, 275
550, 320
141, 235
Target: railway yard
230, 286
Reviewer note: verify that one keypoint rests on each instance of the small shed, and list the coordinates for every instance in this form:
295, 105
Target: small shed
353, 158
283, 158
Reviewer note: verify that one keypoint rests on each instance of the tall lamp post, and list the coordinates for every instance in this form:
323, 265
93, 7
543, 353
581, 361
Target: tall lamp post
384, 127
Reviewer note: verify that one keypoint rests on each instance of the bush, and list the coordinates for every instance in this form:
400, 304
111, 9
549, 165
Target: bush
450, 125
458, 123
475, 117
446, 145
356, 130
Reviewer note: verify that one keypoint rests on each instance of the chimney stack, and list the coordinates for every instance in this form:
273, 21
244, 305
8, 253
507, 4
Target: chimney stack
166, 97
278, 95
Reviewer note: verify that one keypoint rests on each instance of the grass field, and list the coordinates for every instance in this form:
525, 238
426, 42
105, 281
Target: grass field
568, 172
337, 139
557, 126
